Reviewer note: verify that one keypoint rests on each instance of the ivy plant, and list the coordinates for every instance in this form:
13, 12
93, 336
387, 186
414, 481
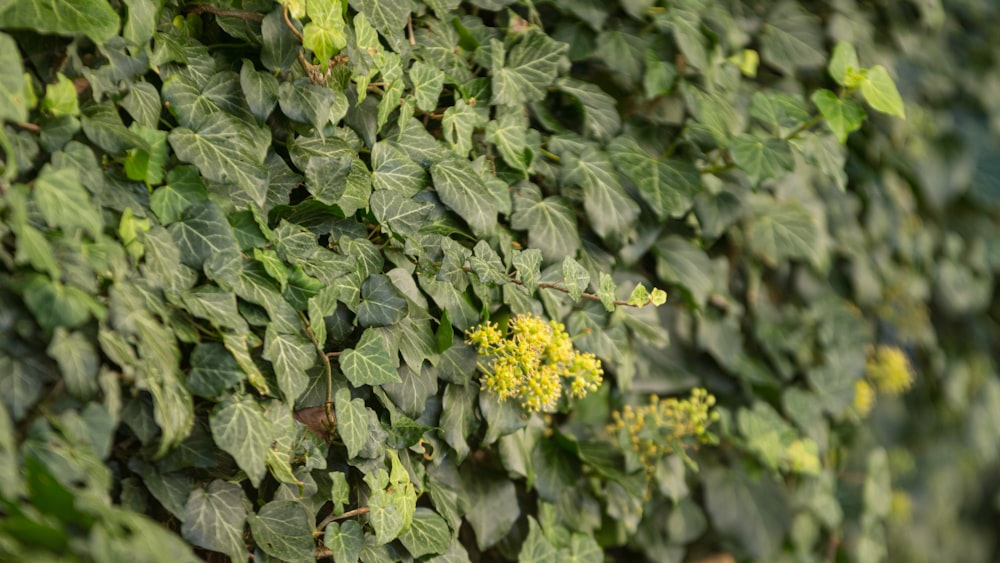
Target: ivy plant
457, 281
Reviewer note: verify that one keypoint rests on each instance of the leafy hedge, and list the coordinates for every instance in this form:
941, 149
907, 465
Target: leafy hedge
245, 244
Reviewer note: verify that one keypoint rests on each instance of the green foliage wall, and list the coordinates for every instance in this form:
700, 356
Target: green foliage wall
243, 240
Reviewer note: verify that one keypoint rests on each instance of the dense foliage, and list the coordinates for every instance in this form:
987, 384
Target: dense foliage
385, 280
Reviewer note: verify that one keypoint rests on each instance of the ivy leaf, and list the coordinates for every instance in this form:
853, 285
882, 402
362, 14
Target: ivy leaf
64, 203
213, 370
536, 547
781, 230
214, 519
750, 510
600, 116
352, 421
306, 102
792, 38
260, 89
487, 265
607, 290
381, 303
368, 363
762, 159
842, 115
94, 18
345, 539
291, 355
184, 187
240, 428
575, 278
392, 170
528, 69
203, 232
880, 92
401, 215
843, 64
388, 18
611, 211
493, 507
282, 529
428, 533
61, 97
461, 189
224, 151
509, 132
458, 418
528, 264
13, 98
683, 263
668, 186
77, 361
324, 34
384, 516
550, 222
427, 82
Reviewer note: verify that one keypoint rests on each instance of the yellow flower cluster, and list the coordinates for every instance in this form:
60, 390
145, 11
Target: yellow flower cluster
667, 426
887, 371
533, 361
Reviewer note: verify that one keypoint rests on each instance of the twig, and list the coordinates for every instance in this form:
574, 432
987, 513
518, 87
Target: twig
804, 127
409, 29
288, 22
326, 366
34, 128
206, 9
348, 514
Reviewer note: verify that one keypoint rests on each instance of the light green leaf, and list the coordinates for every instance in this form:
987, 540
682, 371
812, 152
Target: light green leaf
458, 124
880, 92
528, 264
668, 186
345, 539
842, 115
77, 361
611, 211
384, 516
223, 152
762, 159
583, 548
575, 278
659, 76
94, 18
529, 68
283, 530
214, 519
464, 191
324, 34
686, 25
184, 187
240, 428
368, 363
600, 116
13, 97
639, 296
352, 421
427, 82
54, 304
607, 291
147, 166
427, 534
394, 171
536, 547
214, 304
780, 230
843, 64
381, 303
61, 98
487, 265
290, 355
389, 18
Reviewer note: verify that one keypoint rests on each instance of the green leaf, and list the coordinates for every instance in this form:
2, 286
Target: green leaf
681, 262
61, 98
392, 170
750, 510
611, 211
306, 102
607, 291
389, 18
427, 82
528, 69
381, 303
528, 264
842, 115
880, 92
345, 539
368, 363
458, 123
260, 89
600, 116
13, 97
64, 203
427, 534
458, 417
401, 215
464, 191
213, 370
147, 166
54, 304
659, 76
781, 230
550, 222
352, 421
94, 18
575, 278
536, 547
668, 186
762, 159
184, 187
282, 529
779, 110
583, 548
487, 265
843, 64
203, 233
240, 428
290, 355
77, 361
223, 152
214, 519
509, 132
686, 25
324, 34
492, 506
792, 38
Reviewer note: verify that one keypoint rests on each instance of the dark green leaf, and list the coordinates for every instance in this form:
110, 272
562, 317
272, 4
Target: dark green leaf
792, 38
458, 417
600, 116
345, 539
77, 360
668, 186
202, 233
528, 69
493, 507
427, 534
762, 159
260, 89
240, 428
611, 211
750, 510
550, 222
781, 230
282, 529
536, 547
214, 519
381, 303
461, 189
394, 171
